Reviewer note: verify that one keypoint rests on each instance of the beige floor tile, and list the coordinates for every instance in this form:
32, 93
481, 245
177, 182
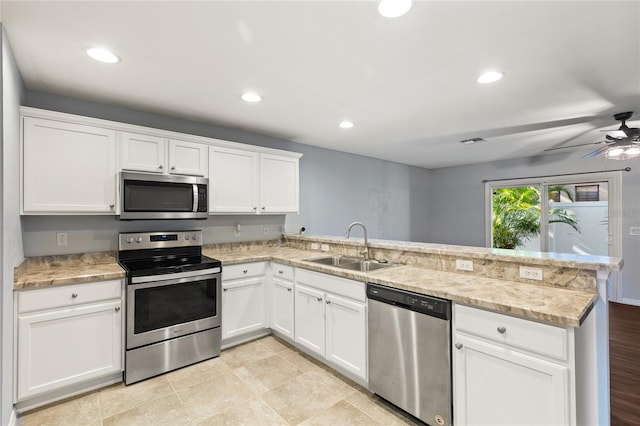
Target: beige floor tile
164, 411
378, 410
301, 362
338, 384
251, 412
267, 373
119, 398
300, 398
275, 344
214, 397
341, 413
197, 373
246, 354
78, 411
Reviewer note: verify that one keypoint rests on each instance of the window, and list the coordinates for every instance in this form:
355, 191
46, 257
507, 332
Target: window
587, 192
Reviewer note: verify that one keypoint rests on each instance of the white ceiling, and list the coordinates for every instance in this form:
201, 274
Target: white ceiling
408, 83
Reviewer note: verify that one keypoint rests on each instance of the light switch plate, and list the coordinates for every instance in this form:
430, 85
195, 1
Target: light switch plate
530, 273
314, 246
62, 238
464, 265
324, 247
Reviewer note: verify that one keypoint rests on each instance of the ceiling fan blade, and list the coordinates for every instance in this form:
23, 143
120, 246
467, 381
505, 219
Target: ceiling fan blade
596, 152
573, 146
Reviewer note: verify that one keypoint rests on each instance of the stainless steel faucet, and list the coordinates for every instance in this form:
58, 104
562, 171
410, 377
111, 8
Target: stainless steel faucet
365, 253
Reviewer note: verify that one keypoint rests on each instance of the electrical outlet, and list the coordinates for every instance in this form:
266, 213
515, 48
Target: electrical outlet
464, 265
62, 238
236, 230
314, 246
324, 247
634, 230
265, 229
531, 273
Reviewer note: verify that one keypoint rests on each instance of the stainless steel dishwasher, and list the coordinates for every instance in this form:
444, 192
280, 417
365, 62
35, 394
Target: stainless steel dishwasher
410, 352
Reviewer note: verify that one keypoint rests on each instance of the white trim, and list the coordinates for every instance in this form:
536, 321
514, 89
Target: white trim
13, 419
123, 127
627, 301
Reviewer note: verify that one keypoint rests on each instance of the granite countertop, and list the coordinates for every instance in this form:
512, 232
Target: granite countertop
559, 306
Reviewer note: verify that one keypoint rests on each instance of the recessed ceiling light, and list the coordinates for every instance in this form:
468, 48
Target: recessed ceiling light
346, 124
251, 97
102, 55
393, 8
489, 77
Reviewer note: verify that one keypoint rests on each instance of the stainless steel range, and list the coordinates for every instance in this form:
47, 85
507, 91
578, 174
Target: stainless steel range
173, 302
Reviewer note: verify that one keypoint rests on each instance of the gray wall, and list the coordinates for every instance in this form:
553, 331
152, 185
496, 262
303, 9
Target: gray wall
335, 189
457, 205
11, 251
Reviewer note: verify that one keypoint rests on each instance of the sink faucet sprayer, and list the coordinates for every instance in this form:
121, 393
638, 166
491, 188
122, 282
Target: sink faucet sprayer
365, 253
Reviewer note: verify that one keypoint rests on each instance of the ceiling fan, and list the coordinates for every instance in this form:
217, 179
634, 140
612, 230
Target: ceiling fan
620, 144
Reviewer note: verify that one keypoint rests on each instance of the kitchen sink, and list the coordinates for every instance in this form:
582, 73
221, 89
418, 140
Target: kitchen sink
351, 263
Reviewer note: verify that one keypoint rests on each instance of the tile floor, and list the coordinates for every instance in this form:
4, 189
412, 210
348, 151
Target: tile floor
264, 382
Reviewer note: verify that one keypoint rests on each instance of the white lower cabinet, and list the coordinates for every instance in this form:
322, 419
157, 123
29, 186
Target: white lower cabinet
505, 374
331, 320
243, 299
67, 335
282, 300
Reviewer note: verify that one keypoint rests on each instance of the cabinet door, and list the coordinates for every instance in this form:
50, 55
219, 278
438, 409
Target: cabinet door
309, 315
243, 306
66, 346
495, 385
233, 181
68, 168
188, 158
142, 153
346, 334
278, 184
282, 307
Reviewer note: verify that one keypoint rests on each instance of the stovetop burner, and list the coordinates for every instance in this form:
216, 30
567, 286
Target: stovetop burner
156, 253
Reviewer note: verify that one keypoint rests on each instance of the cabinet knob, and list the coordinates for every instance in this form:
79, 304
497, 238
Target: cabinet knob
161, 167
117, 308
173, 167
502, 330
458, 345
225, 289
281, 272
74, 295
245, 271
255, 208
263, 208
328, 302
319, 299
289, 290
111, 206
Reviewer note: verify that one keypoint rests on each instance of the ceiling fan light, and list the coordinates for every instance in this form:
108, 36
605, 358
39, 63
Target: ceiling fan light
102, 55
622, 153
394, 8
489, 77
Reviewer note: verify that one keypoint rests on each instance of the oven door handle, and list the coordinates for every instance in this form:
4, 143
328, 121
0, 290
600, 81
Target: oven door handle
179, 277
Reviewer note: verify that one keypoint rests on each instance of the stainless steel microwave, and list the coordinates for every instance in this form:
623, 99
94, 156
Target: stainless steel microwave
149, 196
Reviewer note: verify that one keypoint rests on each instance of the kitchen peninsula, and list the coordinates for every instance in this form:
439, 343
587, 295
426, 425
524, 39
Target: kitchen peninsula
569, 303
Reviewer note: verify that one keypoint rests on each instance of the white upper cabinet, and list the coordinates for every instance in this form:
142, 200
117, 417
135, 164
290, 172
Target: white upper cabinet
233, 180
249, 182
143, 153
278, 184
154, 154
67, 168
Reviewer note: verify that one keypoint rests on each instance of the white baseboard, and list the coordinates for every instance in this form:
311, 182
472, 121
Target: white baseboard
13, 419
635, 302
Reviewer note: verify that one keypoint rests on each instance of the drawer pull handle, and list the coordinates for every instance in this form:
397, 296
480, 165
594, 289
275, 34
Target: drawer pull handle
502, 330
328, 302
74, 295
225, 289
289, 290
117, 308
319, 299
281, 272
458, 345
245, 271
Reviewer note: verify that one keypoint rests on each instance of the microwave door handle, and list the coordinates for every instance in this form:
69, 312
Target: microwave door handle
195, 198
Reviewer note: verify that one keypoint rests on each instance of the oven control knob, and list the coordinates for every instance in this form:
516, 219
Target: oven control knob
194, 237
139, 240
186, 237
130, 240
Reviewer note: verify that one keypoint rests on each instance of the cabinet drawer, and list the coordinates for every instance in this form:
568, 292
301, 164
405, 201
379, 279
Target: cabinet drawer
282, 271
540, 338
243, 270
68, 295
331, 284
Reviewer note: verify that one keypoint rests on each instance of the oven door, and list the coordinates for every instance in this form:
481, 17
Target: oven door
163, 307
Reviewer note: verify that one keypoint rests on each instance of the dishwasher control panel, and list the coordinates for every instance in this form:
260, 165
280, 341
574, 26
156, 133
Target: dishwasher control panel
429, 305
